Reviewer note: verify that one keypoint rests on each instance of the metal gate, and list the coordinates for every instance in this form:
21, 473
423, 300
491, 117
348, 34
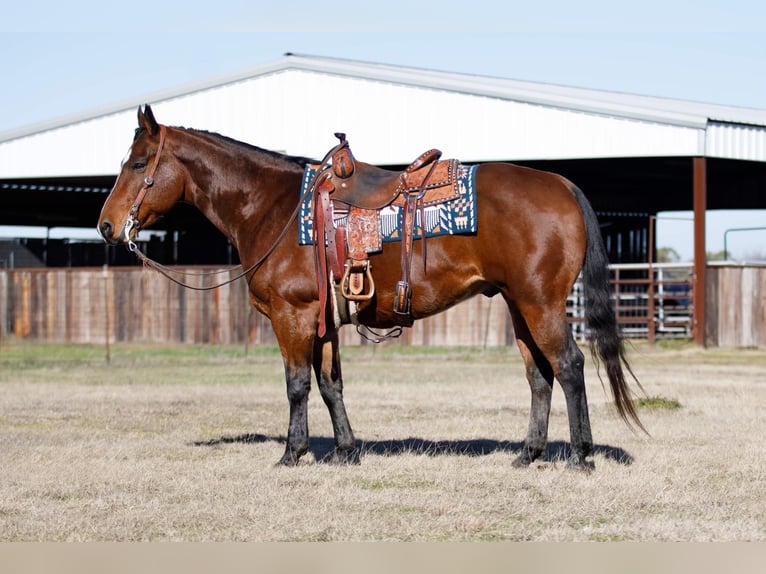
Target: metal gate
651, 301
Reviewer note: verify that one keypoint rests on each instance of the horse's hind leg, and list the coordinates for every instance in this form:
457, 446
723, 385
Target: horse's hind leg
328, 373
540, 378
571, 376
541, 388
547, 344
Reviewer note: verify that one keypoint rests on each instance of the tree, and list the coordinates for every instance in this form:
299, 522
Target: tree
667, 255
715, 256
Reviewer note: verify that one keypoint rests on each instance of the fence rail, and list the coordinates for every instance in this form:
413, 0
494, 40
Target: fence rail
651, 301
134, 305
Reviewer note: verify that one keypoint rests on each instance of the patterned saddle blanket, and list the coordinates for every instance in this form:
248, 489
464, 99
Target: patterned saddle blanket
452, 217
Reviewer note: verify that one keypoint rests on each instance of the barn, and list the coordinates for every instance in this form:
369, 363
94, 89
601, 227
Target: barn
633, 155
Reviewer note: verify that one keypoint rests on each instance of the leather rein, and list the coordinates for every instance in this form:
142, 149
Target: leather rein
133, 223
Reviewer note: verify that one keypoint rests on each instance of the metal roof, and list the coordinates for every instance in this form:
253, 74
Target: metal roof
618, 104
503, 119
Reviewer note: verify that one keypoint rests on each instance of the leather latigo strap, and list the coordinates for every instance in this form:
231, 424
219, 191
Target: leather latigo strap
327, 242
320, 254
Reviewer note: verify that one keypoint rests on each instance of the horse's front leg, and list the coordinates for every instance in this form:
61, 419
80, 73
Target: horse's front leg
298, 377
328, 373
295, 330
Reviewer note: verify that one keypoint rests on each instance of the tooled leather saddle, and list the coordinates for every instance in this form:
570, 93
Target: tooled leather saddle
363, 190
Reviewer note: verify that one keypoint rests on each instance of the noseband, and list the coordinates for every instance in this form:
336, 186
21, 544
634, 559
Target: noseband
132, 221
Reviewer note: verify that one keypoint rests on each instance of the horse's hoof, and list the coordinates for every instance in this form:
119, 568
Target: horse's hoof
527, 457
289, 459
344, 456
521, 461
579, 463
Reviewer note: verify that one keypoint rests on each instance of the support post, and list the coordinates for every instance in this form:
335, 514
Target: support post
107, 322
698, 279
651, 310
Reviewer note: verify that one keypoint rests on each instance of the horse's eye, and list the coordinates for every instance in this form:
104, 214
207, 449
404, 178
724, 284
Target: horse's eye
138, 166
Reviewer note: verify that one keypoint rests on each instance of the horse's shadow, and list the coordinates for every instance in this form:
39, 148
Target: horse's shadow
322, 447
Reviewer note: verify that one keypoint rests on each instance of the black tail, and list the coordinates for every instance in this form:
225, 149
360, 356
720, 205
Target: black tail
605, 339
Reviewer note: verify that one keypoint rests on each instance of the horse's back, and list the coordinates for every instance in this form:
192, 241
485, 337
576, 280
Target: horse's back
526, 191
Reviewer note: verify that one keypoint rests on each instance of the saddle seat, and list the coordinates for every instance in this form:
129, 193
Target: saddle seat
366, 186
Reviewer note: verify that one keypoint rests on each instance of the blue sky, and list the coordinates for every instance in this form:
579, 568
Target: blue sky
65, 57
60, 58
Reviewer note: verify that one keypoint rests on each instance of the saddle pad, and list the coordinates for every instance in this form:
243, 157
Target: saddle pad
454, 217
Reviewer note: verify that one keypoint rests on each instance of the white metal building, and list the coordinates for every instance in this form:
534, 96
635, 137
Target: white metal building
391, 115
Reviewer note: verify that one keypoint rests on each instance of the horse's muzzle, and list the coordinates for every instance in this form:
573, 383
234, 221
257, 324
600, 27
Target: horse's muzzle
106, 230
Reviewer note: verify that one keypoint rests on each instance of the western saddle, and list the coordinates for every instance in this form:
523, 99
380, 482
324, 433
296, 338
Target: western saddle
364, 190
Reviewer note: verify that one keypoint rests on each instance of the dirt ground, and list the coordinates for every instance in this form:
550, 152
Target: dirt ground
181, 444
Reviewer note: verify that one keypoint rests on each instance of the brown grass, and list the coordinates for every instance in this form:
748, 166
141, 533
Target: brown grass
182, 446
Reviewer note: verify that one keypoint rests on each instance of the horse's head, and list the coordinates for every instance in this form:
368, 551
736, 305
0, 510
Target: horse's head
150, 183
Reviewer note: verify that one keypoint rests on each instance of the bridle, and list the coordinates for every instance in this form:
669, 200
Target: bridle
132, 222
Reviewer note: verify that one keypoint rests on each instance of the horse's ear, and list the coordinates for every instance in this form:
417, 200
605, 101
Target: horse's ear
146, 119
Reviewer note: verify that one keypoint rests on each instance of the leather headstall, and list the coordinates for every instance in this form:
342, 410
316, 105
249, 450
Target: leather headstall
132, 221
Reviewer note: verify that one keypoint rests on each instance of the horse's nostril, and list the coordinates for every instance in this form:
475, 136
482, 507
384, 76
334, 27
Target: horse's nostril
106, 229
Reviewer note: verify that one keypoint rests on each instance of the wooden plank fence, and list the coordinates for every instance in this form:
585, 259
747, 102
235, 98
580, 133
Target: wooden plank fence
130, 304
736, 305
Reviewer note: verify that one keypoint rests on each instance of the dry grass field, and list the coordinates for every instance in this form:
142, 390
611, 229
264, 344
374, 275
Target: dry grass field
181, 444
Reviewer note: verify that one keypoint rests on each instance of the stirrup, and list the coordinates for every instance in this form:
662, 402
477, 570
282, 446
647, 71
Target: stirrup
353, 282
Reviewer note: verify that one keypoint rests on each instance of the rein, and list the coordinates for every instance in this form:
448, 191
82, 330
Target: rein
169, 273
132, 222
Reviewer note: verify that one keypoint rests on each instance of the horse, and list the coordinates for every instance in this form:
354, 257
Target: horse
536, 233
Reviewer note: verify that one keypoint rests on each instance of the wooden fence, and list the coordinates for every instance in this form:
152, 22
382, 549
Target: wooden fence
134, 305
131, 304
736, 305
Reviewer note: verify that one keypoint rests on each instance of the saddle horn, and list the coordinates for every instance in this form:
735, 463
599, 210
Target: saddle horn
343, 159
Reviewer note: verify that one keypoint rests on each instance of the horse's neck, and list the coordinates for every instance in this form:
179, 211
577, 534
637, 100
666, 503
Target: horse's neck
247, 202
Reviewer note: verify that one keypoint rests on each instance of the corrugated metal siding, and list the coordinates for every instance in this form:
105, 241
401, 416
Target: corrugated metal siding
736, 141
297, 112
95, 147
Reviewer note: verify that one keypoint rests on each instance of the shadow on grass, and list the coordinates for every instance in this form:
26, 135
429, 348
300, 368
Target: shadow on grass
322, 447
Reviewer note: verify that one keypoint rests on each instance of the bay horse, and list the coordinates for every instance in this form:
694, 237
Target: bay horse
536, 233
